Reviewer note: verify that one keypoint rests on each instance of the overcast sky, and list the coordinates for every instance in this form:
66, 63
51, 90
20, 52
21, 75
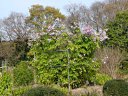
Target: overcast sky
22, 6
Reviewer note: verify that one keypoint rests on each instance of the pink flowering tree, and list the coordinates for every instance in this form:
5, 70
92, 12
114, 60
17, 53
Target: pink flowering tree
51, 63
88, 30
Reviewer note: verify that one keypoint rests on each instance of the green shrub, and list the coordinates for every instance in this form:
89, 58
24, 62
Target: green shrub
62, 89
23, 75
44, 91
115, 88
102, 78
5, 84
20, 91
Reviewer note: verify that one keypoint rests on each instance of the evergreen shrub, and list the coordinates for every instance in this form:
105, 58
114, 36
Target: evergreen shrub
115, 88
44, 91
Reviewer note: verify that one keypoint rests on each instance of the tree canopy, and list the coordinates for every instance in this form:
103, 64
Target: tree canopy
43, 18
118, 31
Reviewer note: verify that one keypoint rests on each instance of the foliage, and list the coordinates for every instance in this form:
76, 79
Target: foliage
5, 84
38, 10
102, 78
115, 88
51, 59
124, 66
23, 75
118, 31
20, 51
97, 36
41, 19
20, 90
62, 89
43, 91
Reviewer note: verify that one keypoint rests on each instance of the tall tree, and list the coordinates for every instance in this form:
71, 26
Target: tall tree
43, 19
97, 16
77, 13
14, 27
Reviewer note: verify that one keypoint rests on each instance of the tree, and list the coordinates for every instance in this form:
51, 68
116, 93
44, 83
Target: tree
51, 59
97, 15
118, 31
110, 59
15, 31
77, 13
42, 20
102, 12
14, 27
113, 6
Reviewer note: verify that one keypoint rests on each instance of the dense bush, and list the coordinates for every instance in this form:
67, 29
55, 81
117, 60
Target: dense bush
44, 91
118, 31
62, 89
20, 91
23, 75
102, 78
115, 88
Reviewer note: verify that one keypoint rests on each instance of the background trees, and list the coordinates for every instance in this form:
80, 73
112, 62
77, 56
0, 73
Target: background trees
16, 34
118, 31
118, 34
14, 27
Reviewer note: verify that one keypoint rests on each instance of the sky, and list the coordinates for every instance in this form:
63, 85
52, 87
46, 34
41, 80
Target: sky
22, 6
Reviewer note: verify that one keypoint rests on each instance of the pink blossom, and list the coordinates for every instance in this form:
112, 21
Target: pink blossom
88, 30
